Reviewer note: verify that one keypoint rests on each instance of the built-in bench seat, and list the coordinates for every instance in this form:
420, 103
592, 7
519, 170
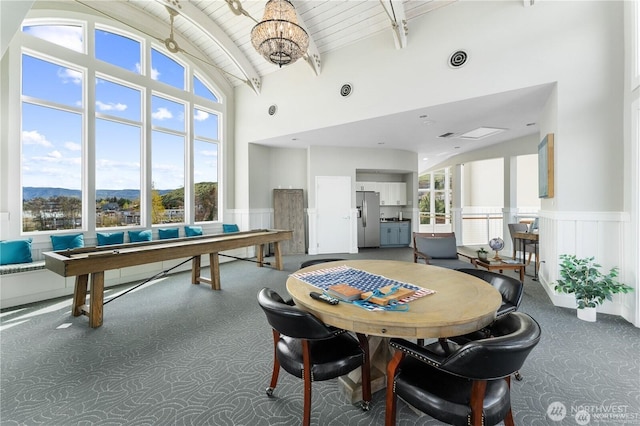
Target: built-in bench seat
21, 267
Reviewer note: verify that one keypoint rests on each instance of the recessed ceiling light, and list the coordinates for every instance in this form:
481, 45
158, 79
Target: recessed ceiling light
423, 116
425, 159
294, 139
481, 133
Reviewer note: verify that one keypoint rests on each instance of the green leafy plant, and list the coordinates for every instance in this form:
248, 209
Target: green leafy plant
482, 250
583, 278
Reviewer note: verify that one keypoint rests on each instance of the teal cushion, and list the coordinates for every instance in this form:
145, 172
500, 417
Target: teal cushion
230, 228
438, 248
108, 238
139, 236
165, 233
65, 242
192, 231
15, 251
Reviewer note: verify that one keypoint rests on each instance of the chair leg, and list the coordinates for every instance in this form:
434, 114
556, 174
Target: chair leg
478, 389
366, 372
306, 375
508, 419
391, 400
276, 365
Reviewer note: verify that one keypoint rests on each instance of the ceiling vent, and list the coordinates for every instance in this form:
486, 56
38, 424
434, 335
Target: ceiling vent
458, 58
273, 109
346, 90
447, 135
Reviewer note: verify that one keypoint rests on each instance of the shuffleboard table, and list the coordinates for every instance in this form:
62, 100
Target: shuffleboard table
94, 261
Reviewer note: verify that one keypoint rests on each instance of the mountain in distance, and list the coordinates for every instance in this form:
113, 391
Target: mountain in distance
30, 192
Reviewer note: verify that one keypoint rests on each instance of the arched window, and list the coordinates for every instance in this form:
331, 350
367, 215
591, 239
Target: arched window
111, 127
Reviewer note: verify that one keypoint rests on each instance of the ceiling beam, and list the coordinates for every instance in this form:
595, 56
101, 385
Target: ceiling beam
312, 57
396, 13
197, 18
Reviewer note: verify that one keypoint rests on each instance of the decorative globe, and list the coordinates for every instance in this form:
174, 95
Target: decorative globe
496, 244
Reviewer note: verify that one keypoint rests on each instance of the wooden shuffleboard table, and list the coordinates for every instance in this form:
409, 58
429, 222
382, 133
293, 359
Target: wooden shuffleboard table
92, 262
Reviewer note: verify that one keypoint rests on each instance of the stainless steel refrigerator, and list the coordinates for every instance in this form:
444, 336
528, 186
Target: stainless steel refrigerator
368, 205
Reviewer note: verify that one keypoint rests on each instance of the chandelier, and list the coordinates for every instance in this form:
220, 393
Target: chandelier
278, 37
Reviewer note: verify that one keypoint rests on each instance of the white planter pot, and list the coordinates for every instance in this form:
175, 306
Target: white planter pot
587, 314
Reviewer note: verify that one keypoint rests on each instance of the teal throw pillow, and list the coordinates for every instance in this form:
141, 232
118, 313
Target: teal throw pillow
15, 251
109, 238
65, 242
230, 228
192, 231
166, 233
139, 236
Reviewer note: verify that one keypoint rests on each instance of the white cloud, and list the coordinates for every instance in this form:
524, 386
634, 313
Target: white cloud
33, 137
67, 75
162, 114
200, 115
72, 146
207, 153
55, 154
67, 36
111, 106
154, 72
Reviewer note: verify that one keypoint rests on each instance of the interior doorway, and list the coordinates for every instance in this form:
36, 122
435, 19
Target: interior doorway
333, 207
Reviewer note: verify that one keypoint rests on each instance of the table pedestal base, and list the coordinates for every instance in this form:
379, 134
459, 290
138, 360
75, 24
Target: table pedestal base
380, 353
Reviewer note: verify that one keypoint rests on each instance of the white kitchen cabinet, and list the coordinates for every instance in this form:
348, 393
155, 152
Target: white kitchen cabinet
367, 186
392, 193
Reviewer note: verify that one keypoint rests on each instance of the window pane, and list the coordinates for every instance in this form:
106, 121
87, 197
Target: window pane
201, 90
51, 169
117, 174
205, 124
118, 50
117, 100
167, 114
166, 70
51, 82
205, 175
167, 171
438, 181
69, 36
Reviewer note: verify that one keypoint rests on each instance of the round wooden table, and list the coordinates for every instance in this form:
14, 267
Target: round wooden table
462, 303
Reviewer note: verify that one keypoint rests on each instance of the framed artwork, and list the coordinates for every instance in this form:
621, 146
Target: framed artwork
545, 167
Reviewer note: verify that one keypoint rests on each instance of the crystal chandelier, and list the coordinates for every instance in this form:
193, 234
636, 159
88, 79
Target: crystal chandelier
278, 37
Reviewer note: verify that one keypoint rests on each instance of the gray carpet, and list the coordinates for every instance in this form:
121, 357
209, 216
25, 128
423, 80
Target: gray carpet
172, 353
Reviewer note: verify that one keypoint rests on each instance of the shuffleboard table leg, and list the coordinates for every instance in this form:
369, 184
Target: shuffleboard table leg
214, 266
97, 299
260, 255
278, 255
80, 294
195, 270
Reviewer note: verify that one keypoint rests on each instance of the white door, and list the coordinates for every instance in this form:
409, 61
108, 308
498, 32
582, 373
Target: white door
333, 207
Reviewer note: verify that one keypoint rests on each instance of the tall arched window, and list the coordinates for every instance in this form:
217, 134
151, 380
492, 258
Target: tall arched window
112, 127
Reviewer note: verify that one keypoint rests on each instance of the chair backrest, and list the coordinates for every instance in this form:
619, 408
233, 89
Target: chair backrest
517, 227
513, 337
436, 245
291, 321
510, 288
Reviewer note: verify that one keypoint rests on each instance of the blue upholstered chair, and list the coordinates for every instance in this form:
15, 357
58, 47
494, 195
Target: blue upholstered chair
437, 249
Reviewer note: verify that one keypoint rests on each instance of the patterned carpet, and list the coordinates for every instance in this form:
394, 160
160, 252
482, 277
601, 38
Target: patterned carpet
172, 353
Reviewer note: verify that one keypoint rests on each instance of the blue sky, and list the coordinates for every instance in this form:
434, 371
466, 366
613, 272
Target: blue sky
52, 138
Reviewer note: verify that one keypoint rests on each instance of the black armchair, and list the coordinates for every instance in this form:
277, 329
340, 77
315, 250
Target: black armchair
309, 349
510, 288
469, 386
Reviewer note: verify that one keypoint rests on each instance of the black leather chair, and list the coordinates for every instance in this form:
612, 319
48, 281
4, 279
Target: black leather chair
309, 349
471, 386
510, 288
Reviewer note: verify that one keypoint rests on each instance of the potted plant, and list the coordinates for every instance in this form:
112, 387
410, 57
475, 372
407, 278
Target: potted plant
590, 286
482, 254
